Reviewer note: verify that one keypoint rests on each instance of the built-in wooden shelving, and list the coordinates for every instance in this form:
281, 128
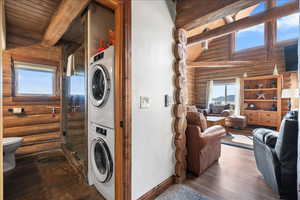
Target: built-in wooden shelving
260, 89
266, 110
261, 100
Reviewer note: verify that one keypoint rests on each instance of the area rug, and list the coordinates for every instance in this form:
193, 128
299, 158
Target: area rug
237, 140
181, 192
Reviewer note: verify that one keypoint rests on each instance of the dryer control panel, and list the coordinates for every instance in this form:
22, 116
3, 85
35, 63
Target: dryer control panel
101, 131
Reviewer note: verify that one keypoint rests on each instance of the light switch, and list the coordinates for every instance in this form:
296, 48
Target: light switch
167, 100
144, 102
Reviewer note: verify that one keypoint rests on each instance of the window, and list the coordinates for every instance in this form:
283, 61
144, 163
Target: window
258, 8
288, 27
224, 92
250, 37
32, 79
282, 2
250, 11
77, 84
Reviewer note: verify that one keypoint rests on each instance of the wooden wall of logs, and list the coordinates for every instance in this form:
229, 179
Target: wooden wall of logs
180, 123
40, 129
221, 49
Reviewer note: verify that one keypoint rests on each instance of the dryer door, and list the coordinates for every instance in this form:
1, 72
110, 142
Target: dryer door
99, 85
102, 164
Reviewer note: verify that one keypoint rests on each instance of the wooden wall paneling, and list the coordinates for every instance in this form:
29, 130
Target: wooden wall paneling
222, 52
19, 131
24, 120
31, 109
39, 127
31, 149
41, 138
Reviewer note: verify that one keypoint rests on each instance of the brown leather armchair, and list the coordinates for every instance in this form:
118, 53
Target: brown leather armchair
203, 144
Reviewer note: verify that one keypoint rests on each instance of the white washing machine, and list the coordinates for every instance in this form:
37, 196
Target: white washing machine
101, 88
101, 160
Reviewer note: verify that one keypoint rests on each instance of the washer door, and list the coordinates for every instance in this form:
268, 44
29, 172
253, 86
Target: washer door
102, 163
99, 85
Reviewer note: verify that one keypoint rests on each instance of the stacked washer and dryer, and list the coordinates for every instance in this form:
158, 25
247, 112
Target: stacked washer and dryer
101, 134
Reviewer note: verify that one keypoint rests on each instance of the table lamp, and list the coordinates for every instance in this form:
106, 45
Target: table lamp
290, 93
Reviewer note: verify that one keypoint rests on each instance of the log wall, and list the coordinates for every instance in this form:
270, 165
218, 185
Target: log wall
40, 129
220, 49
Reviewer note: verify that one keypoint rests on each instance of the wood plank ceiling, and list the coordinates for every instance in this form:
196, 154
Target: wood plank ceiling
27, 20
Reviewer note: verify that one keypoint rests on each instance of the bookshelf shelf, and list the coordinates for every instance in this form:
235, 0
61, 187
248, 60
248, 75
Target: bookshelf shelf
263, 112
261, 100
260, 89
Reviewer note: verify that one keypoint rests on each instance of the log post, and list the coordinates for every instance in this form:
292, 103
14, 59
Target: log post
179, 109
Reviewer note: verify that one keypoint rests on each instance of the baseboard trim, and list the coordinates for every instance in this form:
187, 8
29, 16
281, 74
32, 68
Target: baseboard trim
157, 190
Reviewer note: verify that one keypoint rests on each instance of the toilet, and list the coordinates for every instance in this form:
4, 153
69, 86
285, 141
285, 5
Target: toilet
10, 145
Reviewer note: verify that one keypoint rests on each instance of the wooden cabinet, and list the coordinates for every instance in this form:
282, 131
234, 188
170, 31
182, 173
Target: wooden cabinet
252, 117
261, 117
264, 110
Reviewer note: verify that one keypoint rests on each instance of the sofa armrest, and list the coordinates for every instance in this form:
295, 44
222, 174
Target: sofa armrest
227, 113
266, 136
193, 137
213, 134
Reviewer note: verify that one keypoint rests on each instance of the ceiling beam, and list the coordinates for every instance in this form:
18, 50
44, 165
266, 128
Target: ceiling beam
228, 19
67, 11
246, 22
223, 64
109, 3
194, 13
2, 26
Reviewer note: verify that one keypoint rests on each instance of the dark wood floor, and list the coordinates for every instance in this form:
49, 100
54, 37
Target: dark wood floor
47, 176
234, 177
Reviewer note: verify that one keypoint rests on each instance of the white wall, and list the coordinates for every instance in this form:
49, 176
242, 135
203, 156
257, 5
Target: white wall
152, 73
100, 21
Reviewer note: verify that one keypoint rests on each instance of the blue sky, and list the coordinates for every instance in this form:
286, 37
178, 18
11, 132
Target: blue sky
288, 28
219, 90
35, 82
77, 86
29, 84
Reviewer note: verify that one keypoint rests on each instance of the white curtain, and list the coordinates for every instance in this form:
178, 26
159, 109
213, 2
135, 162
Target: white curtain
209, 92
237, 109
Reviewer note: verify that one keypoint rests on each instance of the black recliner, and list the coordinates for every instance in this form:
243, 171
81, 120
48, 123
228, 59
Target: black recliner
276, 156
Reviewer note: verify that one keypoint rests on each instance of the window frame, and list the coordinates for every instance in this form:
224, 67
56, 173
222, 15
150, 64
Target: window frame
276, 1
251, 48
225, 90
288, 41
31, 67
